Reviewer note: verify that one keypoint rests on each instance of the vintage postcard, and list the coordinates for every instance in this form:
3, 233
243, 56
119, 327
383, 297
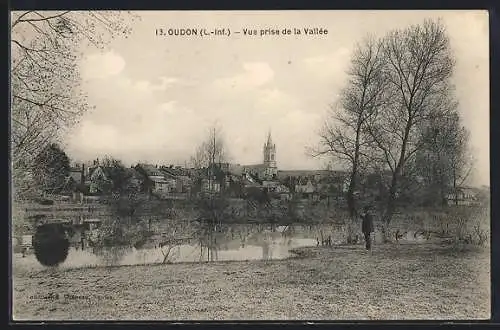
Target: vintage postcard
250, 165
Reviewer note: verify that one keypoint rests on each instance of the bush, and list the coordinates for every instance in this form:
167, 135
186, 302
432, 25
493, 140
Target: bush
50, 244
117, 233
352, 232
471, 225
460, 225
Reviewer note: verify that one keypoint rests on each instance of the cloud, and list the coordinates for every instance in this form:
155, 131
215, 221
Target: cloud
273, 97
165, 82
145, 87
102, 65
329, 65
95, 137
255, 74
133, 122
300, 119
274, 102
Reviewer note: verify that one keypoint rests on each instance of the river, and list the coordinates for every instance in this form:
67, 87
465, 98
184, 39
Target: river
237, 242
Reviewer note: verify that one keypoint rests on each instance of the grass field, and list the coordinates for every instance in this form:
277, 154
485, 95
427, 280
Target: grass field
406, 281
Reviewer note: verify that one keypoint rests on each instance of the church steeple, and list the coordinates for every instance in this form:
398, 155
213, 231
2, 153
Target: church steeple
270, 156
269, 139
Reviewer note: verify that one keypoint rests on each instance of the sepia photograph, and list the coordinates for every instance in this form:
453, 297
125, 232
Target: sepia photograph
250, 165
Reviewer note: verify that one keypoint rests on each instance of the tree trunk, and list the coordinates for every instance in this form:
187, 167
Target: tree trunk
391, 202
455, 192
352, 184
350, 201
391, 199
390, 206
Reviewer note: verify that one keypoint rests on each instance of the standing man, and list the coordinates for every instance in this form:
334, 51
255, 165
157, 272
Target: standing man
367, 226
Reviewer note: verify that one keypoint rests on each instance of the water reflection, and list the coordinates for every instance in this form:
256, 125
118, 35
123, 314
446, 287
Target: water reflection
235, 242
222, 243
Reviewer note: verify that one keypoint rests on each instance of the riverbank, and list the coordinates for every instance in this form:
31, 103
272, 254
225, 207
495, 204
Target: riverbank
407, 281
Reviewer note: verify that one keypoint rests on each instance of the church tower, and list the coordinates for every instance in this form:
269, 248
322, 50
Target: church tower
270, 157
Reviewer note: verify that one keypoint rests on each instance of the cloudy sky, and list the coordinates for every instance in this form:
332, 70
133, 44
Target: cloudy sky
155, 97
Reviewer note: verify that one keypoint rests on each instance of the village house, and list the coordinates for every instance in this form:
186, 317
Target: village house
304, 186
135, 178
181, 176
77, 173
154, 180
74, 183
91, 178
277, 187
270, 185
465, 196
283, 192
184, 184
98, 180
250, 181
307, 189
194, 181
210, 186
235, 186
171, 182
322, 182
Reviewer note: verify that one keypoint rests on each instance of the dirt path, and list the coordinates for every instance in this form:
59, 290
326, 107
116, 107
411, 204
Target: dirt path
410, 281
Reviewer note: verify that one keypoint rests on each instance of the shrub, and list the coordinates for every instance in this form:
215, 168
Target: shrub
50, 245
468, 225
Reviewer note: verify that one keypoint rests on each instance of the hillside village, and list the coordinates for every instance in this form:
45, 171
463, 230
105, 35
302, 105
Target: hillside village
88, 181
169, 181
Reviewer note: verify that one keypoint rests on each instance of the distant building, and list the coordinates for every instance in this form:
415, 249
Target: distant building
134, 177
467, 196
266, 175
268, 169
77, 173
180, 179
305, 187
154, 179
270, 185
98, 180
210, 186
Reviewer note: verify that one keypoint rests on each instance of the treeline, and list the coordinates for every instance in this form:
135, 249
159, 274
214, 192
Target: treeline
50, 174
398, 117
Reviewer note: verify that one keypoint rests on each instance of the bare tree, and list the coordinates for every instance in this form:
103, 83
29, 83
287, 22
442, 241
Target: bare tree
461, 161
445, 161
212, 151
210, 157
418, 70
177, 232
45, 98
343, 136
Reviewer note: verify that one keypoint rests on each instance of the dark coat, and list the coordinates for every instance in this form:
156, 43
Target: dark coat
367, 224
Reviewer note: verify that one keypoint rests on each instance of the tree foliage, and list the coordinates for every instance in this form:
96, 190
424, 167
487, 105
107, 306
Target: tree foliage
45, 80
419, 65
398, 116
51, 169
119, 175
445, 161
343, 135
212, 151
